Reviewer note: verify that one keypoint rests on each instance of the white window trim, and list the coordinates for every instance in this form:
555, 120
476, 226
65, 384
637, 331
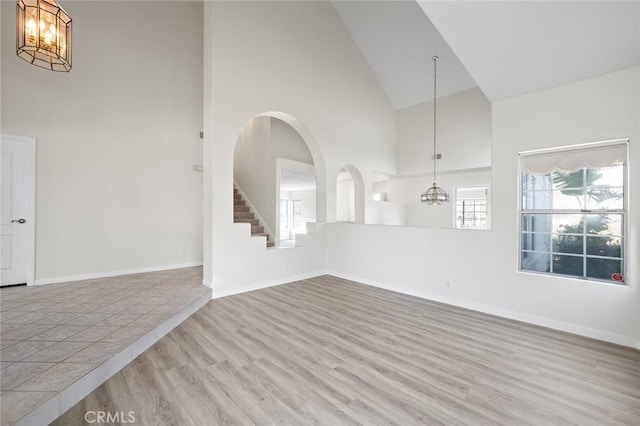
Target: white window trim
627, 184
455, 203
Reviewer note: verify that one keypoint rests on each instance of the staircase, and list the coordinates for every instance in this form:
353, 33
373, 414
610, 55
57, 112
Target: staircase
242, 214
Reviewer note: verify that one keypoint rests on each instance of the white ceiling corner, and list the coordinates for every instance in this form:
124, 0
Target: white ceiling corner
398, 41
506, 48
516, 47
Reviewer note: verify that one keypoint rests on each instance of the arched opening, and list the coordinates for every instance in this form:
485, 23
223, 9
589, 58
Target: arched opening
278, 174
349, 195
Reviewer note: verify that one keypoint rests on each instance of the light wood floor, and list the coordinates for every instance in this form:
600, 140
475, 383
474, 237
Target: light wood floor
329, 351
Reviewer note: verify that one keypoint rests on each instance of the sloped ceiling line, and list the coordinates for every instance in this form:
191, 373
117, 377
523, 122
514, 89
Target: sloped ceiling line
509, 48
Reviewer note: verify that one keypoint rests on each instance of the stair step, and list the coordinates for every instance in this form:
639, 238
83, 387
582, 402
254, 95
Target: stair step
253, 222
243, 215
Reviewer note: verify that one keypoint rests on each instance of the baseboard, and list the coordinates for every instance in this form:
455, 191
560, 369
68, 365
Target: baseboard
504, 313
217, 293
116, 273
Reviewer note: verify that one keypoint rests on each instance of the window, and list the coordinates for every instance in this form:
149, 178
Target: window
285, 220
292, 221
298, 220
572, 212
471, 207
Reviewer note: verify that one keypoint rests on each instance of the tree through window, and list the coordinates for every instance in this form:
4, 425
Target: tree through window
572, 211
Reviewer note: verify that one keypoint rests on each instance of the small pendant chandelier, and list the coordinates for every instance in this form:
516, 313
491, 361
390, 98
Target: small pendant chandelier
43, 34
435, 194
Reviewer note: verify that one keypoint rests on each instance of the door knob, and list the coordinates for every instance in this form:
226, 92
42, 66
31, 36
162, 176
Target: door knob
19, 220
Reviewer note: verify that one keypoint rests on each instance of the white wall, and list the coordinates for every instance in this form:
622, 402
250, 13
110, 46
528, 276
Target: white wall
383, 212
287, 143
345, 199
464, 140
295, 58
479, 269
261, 142
308, 198
253, 168
378, 187
117, 138
386, 213
463, 134
407, 189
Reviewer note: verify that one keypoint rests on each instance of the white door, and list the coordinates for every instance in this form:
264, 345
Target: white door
17, 210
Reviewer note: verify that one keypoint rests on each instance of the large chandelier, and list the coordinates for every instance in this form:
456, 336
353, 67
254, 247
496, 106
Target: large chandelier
435, 194
43, 34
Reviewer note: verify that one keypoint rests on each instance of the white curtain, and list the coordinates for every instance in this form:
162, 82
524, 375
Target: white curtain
541, 163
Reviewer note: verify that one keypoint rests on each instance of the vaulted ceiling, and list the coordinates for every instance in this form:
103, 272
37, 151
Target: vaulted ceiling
507, 48
398, 41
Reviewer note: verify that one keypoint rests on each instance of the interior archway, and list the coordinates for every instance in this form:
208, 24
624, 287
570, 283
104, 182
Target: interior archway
316, 154
278, 178
350, 195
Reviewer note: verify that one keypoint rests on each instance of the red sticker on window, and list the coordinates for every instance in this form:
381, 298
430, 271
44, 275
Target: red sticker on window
617, 277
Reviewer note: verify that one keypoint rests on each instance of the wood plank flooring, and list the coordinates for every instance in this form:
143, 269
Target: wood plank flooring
328, 351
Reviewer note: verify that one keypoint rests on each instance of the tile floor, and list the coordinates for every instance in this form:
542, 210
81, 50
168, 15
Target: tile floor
53, 335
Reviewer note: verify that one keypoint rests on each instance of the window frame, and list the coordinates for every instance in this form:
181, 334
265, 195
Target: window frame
454, 205
624, 212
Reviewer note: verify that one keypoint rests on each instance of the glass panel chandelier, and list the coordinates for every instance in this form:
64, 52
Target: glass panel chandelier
43, 34
435, 194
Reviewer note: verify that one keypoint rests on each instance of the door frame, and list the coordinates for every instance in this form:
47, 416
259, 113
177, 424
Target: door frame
30, 143
299, 166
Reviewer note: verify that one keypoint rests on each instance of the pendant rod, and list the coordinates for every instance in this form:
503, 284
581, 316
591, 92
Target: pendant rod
435, 154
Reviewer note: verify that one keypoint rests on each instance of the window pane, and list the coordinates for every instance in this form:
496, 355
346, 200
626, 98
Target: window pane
284, 214
568, 199
539, 262
604, 197
537, 200
570, 182
471, 207
603, 268
605, 224
532, 182
298, 220
568, 223
536, 222
610, 176
568, 265
604, 246
563, 243
536, 242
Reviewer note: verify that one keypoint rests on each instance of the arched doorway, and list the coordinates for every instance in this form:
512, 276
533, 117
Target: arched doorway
278, 178
349, 195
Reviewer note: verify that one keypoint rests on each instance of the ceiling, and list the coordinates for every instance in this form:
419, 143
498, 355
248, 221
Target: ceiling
509, 48
398, 41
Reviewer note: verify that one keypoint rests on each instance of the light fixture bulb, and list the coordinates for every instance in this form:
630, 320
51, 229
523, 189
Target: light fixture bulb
43, 34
